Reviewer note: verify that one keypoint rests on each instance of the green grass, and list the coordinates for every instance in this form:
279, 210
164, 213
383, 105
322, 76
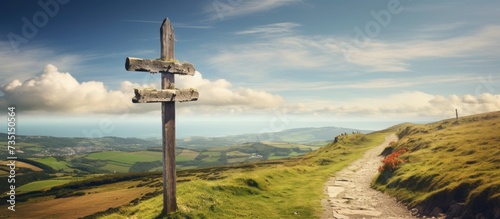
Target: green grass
126, 157
42, 185
270, 189
303, 147
274, 157
52, 162
211, 153
116, 167
237, 160
210, 159
238, 153
186, 155
449, 162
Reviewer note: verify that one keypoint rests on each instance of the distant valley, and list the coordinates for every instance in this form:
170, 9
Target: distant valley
121, 155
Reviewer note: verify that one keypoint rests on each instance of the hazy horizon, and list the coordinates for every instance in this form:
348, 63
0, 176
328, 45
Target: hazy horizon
152, 129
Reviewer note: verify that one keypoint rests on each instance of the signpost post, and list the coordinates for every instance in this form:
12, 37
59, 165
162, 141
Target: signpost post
167, 96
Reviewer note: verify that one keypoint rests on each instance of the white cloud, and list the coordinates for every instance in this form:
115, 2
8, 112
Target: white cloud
365, 84
444, 27
409, 105
278, 54
270, 29
56, 92
222, 9
394, 56
220, 96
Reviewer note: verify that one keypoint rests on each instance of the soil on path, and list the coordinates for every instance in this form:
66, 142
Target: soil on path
349, 194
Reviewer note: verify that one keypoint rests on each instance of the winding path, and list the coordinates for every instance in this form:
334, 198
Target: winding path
349, 194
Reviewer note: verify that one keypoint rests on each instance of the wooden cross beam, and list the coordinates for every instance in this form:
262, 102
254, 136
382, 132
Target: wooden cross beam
168, 95
158, 65
154, 96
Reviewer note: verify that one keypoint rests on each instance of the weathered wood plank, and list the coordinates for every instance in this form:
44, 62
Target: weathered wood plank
167, 40
158, 65
169, 95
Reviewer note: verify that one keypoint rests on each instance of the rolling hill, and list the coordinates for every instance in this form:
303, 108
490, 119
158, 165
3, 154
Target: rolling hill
262, 189
450, 167
320, 135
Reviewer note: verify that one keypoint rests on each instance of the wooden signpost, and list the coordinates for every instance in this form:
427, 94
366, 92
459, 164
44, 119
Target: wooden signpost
168, 95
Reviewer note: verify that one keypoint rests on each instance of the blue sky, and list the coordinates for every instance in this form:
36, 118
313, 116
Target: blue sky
262, 65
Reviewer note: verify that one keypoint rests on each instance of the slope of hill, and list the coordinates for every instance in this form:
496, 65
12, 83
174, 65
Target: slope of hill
449, 167
289, 188
297, 136
266, 189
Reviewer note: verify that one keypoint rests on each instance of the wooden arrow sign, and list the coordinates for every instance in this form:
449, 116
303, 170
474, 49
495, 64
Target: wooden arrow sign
149, 95
158, 65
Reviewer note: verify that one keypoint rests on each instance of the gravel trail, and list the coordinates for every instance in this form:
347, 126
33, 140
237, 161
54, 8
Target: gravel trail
349, 194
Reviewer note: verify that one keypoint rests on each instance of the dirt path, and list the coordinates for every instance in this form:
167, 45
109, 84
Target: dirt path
350, 195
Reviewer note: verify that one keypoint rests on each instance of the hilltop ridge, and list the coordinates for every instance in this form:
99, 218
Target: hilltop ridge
450, 167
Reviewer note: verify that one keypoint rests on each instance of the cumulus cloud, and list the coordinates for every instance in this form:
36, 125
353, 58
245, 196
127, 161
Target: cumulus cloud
217, 93
53, 91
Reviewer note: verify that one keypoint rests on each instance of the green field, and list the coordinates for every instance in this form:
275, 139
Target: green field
186, 155
116, 167
127, 158
236, 160
42, 185
52, 162
211, 153
275, 157
302, 147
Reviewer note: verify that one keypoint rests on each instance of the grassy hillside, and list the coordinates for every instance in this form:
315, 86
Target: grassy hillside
297, 136
449, 166
269, 189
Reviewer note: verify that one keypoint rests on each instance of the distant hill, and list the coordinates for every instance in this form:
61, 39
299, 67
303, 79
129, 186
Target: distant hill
298, 136
65, 146
450, 167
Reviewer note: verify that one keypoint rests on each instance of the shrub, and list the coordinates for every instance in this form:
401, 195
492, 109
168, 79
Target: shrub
392, 161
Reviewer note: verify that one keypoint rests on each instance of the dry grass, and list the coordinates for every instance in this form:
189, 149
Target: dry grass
95, 200
20, 164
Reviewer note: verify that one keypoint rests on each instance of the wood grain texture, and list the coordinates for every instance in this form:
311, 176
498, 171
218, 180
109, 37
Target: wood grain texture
159, 66
170, 95
167, 40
